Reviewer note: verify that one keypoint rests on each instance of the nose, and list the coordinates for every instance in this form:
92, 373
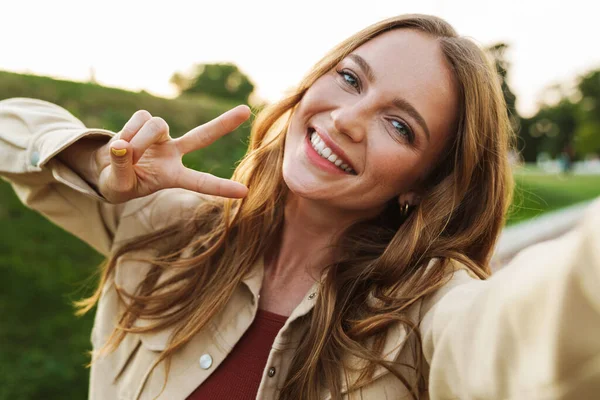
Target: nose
350, 120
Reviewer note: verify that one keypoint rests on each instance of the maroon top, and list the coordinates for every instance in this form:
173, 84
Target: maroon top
239, 375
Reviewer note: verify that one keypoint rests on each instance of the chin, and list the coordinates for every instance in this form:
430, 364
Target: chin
299, 183
305, 185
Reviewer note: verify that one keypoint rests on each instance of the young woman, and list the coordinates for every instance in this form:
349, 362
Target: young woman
344, 260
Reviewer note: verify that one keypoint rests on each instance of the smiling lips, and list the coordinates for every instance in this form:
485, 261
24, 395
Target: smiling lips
325, 152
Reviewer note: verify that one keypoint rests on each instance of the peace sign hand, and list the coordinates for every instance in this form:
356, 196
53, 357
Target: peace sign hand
143, 158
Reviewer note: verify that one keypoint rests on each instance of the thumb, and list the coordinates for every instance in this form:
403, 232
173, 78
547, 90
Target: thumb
121, 161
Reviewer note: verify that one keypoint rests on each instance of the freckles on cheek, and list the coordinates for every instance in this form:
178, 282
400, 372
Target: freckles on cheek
395, 175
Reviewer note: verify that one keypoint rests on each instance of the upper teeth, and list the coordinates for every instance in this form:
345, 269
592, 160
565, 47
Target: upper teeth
327, 154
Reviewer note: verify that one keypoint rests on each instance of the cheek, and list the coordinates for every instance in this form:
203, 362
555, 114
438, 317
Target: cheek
295, 134
396, 171
293, 169
322, 95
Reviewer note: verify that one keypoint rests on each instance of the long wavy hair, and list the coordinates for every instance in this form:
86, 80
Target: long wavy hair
459, 219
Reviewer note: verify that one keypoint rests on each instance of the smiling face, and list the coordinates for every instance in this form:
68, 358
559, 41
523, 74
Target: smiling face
384, 114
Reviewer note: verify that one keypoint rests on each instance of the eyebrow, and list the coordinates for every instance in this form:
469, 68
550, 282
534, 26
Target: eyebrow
367, 70
397, 102
406, 106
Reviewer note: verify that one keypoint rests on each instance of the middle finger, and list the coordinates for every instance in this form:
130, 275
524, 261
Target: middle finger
155, 130
135, 123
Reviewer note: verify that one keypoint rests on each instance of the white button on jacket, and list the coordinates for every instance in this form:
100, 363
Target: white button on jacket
205, 361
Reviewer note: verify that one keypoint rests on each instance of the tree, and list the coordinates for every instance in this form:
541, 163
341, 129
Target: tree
498, 53
554, 127
223, 81
569, 123
587, 134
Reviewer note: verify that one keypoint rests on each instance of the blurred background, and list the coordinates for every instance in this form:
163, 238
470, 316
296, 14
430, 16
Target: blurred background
189, 61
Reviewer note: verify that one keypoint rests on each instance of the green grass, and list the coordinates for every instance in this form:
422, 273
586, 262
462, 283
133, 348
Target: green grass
42, 345
536, 194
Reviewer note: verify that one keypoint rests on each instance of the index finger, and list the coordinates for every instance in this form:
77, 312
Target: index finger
202, 182
207, 133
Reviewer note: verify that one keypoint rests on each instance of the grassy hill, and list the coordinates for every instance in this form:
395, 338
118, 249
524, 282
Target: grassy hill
111, 108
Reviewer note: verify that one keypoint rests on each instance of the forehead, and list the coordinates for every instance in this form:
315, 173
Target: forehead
410, 64
407, 58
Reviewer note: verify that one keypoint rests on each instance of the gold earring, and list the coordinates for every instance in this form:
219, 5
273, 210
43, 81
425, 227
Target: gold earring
404, 209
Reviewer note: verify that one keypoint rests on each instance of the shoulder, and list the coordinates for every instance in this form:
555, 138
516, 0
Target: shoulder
456, 274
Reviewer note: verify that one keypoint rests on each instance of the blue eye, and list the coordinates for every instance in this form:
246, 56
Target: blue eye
350, 79
403, 129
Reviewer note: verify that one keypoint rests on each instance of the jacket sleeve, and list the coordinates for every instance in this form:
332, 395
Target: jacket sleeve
32, 132
532, 331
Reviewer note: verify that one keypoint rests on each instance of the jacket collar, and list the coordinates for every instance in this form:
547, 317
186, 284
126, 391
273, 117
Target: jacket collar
159, 341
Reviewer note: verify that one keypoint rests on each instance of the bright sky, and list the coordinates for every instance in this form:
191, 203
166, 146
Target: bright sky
140, 44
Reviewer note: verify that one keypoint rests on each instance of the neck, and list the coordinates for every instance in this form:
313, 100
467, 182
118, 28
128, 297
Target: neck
304, 248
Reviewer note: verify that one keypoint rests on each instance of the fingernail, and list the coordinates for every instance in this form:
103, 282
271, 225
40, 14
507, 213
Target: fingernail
118, 153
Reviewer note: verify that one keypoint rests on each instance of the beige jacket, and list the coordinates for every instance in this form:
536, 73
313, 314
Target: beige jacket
530, 332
